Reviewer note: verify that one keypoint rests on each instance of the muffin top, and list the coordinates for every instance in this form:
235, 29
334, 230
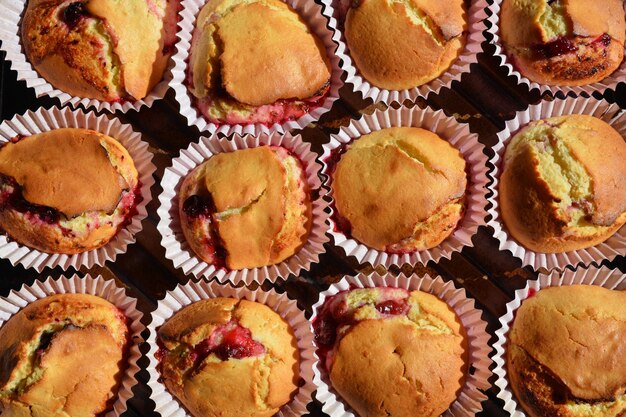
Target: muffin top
404, 44
277, 61
398, 185
229, 357
560, 187
251, 205
50, 345
392, 352
570, 43
90, 48
583, 325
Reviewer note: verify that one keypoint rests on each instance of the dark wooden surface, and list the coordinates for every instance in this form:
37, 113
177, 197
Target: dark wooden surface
484, 98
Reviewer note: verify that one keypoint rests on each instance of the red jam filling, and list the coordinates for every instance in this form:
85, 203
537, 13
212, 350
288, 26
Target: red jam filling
604, 40
74, 13
531, 292
393, 307
15, 200
203, 208
228, 341
557, 47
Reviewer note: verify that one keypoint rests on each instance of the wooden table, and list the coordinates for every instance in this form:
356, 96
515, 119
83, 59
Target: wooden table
484, 98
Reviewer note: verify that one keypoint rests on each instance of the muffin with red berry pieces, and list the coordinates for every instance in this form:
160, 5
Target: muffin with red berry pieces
67, 190
50, 346
565, 43
245, 209
389, 351
227, 357
274, 71
106, 50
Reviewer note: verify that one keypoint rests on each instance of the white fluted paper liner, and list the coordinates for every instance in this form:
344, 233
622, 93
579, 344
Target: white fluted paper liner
458, 136
609, 249
468, 403
319, 20
98, 286
10, 20
604, 277
609, 83
44, 120
475, 16
184, 295
173, 240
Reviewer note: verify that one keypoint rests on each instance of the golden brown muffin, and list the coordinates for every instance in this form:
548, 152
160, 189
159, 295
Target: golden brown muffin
102, 49
566, 352
66, 190
246, 209
62, 356
225, 357
561, 187
564, 42
275, 70
400, 189
390, 352
400, 44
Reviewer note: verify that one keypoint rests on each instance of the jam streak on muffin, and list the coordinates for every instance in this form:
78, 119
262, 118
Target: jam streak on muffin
201, 210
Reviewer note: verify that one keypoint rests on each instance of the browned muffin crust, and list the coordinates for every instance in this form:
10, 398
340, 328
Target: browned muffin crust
404, 44
557, 327
560, 189
226, 357
569, 43
101, 49
50, 346
66, 190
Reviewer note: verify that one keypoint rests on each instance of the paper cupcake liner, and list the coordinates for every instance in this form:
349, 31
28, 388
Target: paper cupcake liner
106, 289
468, 403
475, 16
609, 83
458, 136
609, 249
176, 247
10, 25
44, 120
604, 277
319, 20
184, 295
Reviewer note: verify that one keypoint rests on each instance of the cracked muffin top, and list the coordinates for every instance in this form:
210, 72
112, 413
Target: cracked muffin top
226, 357
399, 190
66, 190
275, 70
389, 351
101, 49
50, 346
564, 42
400, 44
245, 209
560, 188
565, 352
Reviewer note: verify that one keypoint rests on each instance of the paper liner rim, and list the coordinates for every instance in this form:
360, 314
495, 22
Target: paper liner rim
185, 294
45, 120
460, 138
98, 286
608, 249
605, 277
469, 401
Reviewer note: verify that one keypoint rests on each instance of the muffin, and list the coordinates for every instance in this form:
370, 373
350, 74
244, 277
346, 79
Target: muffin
274, 71
398, 45
567, 43
390, 352
566, 351
226, 357
561, 185
100, 49
399, 189
246, 209
62, 355
66, 190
